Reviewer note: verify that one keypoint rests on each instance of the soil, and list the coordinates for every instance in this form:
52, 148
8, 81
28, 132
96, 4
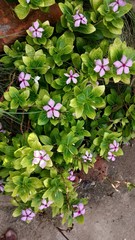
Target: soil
110, 213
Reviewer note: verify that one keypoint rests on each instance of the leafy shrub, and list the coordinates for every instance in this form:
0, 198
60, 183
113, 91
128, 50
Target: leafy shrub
73, 97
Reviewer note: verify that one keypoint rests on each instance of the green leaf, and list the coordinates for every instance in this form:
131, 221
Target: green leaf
33, 141
22, 11
89, 111
80, 219
42, 120
45, 140
58, 199
17, 212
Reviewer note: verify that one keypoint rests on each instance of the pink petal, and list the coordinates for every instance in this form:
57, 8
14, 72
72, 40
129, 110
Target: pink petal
42, 152
36, 153
28, 211
77, 23
22, 85
120, 70
21, 76
123, 59
66, 74
83, 212
106, 68
75, 75
115, 8
112, 4
71, 72
46, 157
34, 34
39, 34
75, 214
46, 108
35, 161
51, 103
50, 114
84, 20
29, 218
80, 206
26, 84
42, 164
97, 68
102, 72
105, 61
44, 201
126, 70
98, 62
122, 3
24, 218
32, 215
129, 63
36, 24
40, 29
31, 29
42, 207
117, 64
68, 81
58, 106
56, 113
27, 76
115, 143
74, 80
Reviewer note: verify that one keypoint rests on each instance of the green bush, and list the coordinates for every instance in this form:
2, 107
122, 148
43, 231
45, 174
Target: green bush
72, 98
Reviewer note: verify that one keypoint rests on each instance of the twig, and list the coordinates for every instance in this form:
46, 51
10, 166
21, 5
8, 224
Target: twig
61, 231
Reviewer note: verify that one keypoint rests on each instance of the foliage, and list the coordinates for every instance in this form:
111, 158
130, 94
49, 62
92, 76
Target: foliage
77, 101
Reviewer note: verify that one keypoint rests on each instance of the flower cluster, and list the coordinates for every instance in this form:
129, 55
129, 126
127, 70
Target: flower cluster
122, 66
40, 157
87, 157
27, 215
24, 78
52, 109
71, 77
36, 31
80, 210
115, 5
79, 19
45, 204
71, 177
114, 147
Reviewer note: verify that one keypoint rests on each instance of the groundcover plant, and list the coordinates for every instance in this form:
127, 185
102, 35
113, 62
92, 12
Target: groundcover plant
71, 99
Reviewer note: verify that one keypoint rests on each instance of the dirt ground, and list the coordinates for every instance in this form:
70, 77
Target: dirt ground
110, 214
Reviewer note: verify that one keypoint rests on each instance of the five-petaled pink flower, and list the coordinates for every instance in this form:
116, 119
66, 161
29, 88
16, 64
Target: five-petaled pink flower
40, 157
45, 204
36, 31
123, 65
79, 18
71, 177
115, 5
111, 156
27, 215
71, 77
1, 186
87, 157
80, 210
114, 147
101, 66
24, 78
52, 109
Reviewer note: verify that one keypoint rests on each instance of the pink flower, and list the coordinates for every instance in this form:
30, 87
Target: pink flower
111, 156
71, 177
79, 18
101, 66
118, 3
40, 157
1, 186
71, 77
45, 204
36, 30
24, 78
123, 65
80, 210
27, 215
114, 147
52, 109
87, 157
